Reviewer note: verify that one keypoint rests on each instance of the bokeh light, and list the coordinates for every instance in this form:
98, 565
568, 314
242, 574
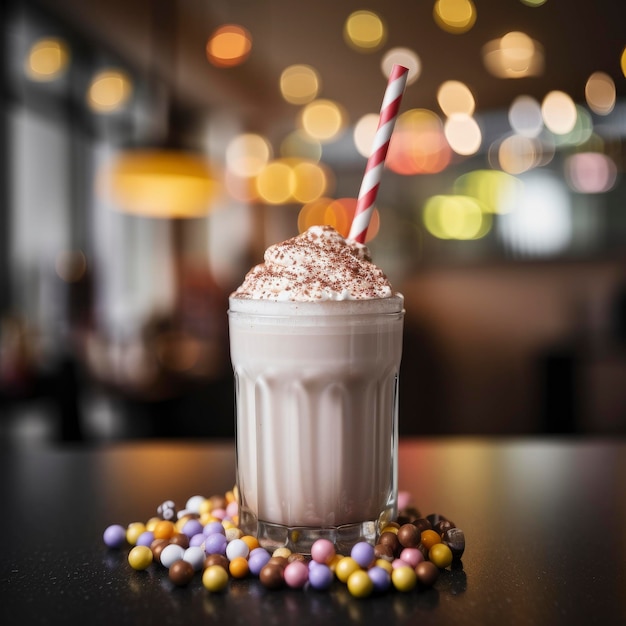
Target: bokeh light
453, 96
276, 182
533, 3
622, 61
600, 93
455, 217
241, 188
540, 221
160, 183
580, 133
590, 172
405, 57
247, 154
337, 213
299, 145
365, 31
463, 134
517, 154
364, 133
559, 112
47, 59
229, 45
418, 144
109, 91
515, 55
491, 188
71, 265
299, 84
311, 181
525, 116
323, 119
454, 16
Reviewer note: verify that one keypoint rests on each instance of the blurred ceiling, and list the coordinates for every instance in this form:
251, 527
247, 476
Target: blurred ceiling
579, 37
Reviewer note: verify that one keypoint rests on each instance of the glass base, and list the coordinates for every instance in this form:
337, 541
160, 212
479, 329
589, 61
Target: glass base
300, 538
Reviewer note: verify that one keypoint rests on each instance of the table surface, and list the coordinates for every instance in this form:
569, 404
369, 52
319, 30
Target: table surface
544, 523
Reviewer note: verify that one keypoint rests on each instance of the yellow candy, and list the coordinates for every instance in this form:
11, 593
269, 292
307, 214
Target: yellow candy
389, 529
441, 555
404, 578
152, 522
346, 566
334, 561
215, 578
281, 552
140, 557
133, 531
250, 541
386, 565
360, 585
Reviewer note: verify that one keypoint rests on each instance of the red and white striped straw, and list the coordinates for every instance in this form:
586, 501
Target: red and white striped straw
376, 162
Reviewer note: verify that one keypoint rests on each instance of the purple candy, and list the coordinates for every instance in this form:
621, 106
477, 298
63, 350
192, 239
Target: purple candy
196, 540
213, 528
320, 576
215, 544
380, 578
192, 527
257, 559
114, 536
146, 538
362, 553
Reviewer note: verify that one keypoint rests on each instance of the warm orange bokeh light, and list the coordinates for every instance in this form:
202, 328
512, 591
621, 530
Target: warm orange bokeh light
336, 213
229, 45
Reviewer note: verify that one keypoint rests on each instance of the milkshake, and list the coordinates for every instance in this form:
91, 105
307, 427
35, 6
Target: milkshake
316, 338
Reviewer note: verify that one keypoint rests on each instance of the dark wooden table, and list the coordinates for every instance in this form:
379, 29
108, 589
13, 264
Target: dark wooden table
545, 522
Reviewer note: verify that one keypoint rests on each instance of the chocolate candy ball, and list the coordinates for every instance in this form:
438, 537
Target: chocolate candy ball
427, 573
422, 524
271, 576
454, 538
390, 539
181, 572
216, 559
408, 536
382, 551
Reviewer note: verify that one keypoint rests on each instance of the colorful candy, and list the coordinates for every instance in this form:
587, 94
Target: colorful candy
204, 537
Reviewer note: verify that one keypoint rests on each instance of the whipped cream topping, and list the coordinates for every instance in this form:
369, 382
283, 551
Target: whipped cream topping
317, 265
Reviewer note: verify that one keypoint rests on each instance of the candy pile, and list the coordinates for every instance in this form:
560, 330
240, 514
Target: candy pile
204, 537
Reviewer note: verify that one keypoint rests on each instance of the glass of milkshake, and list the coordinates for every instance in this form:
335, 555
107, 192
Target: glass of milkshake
316, 341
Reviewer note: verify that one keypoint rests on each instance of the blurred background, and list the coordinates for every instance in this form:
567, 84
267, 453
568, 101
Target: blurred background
151, 150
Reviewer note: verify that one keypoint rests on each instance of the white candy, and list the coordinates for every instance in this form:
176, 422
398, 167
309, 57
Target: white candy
195, 556
194, 503
171, 553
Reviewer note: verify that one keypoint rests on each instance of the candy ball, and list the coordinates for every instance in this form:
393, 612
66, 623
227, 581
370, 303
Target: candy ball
215, 578
164, 529
404, 578
271, 576
181, 572
236, 548
380, 577
345, 567
167, 510
195, 557
133, 531
213, 528
296, 574
412, 556
114, 536
215, 544
429, 538
170, 554
441, 555
145, 539
238, 567
140, 557
363, 553
454, 538
427, 573
192, 527
320, 576
194, 504
360, 584
257, 559
323, 551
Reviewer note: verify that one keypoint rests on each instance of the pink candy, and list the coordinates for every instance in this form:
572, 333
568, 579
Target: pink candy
323, 551
296, 574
